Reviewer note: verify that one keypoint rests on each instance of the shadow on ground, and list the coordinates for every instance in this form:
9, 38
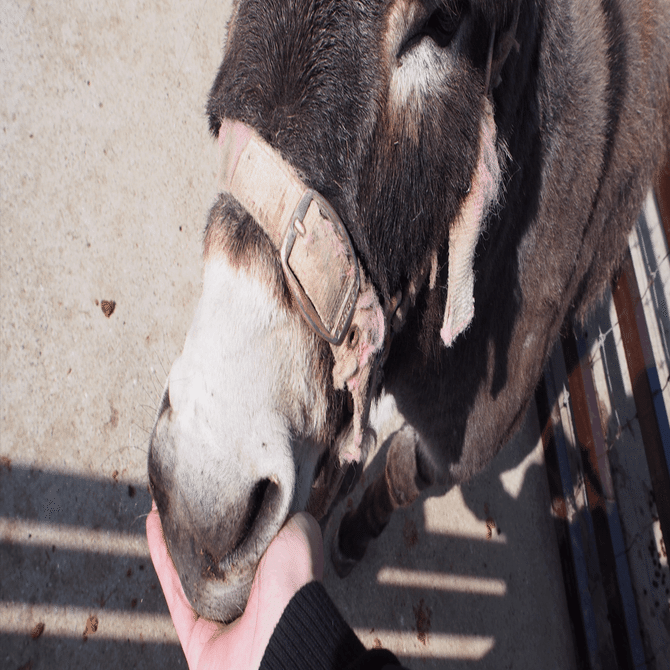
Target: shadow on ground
471, 579
449, 584
73, 548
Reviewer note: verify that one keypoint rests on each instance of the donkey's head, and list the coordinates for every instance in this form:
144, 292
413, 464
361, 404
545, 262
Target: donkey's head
372, 112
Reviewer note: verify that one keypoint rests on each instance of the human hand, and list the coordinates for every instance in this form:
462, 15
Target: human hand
293, 559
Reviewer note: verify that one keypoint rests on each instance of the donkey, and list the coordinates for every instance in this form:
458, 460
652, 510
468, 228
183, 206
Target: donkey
415, 195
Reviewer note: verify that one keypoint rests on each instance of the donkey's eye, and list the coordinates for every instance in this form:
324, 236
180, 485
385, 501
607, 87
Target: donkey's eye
440, 26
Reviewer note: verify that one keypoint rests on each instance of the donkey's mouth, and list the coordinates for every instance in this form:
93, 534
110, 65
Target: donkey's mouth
216, 559
331, 473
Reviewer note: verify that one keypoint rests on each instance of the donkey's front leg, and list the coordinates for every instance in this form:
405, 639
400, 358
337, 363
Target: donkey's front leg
405, 475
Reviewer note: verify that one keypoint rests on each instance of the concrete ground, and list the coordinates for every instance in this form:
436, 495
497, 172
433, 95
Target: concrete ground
106, 176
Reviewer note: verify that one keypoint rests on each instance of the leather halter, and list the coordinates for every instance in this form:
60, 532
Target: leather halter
333, 293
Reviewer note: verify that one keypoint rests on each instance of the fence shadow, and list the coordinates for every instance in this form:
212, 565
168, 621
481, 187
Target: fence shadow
453, 580
73, 548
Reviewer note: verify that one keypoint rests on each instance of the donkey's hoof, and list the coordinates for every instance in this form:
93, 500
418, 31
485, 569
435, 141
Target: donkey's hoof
348, 546
343, 564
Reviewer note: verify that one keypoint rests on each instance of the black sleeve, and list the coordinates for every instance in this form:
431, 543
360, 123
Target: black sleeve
312, 635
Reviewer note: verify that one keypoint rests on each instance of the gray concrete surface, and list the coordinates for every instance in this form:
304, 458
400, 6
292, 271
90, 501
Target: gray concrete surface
106, 176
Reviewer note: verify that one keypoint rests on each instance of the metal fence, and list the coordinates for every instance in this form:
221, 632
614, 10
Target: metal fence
604, 404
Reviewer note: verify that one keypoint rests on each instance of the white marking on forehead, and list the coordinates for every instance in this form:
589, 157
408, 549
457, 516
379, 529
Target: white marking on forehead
420, 71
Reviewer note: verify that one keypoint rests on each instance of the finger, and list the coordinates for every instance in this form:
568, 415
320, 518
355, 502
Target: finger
309, 531
294, 558
182, 614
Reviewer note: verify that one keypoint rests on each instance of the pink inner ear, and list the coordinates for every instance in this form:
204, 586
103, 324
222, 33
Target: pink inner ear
463, 237
233, 137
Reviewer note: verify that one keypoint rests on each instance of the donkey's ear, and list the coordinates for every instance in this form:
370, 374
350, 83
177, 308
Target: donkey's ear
500, 45
466, 229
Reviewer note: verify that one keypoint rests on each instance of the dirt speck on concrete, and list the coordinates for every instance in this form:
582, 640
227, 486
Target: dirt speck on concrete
377, 644
37, 630
409, 533
6, 462
91, 626
422, 615
108, 307
113, 417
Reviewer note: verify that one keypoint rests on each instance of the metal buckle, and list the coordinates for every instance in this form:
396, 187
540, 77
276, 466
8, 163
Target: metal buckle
309, 311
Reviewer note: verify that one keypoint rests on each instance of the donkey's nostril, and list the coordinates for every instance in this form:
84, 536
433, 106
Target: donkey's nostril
246, 531
259, 505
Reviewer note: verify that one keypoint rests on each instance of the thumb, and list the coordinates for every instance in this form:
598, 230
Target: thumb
304, 532
295, 556
293, 559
